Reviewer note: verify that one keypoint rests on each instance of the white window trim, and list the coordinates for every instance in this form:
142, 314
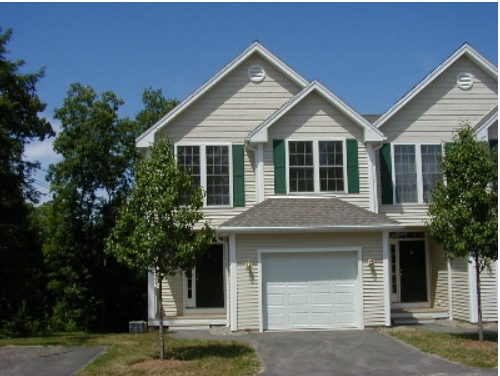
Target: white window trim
203, 169
418, 163
316, 166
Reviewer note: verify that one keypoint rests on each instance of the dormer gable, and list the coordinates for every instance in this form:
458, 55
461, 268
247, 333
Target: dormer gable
260, 134
148, 137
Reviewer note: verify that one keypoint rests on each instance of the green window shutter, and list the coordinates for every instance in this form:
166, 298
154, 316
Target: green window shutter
386, 174
279, 156
238, 176
352, 166
493, 144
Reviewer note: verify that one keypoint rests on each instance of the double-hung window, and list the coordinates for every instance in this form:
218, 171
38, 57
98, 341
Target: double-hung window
316, 166
209, 167
416, 172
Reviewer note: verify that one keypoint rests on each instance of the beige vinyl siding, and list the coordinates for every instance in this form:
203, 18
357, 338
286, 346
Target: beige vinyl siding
228, 113
315, 118
439, 276
247, 282
439, 109
460, 289
234, 107
432, 117
489, 292
172, 295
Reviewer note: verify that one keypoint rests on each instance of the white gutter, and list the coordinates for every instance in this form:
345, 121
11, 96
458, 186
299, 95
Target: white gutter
276, 229
373, 176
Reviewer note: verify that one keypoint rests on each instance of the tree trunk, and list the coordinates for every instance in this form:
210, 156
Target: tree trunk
160, 312
479, 309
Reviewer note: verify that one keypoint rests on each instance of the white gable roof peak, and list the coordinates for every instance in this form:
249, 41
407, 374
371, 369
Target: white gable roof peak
147, 138
464, 50
260, 134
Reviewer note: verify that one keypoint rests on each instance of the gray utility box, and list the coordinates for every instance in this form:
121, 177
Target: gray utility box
137, 327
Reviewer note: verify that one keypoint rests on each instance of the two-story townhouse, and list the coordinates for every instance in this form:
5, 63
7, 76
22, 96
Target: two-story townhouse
320, 213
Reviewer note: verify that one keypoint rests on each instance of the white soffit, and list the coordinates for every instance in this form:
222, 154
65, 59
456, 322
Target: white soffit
260, 134
147, 138
464, 50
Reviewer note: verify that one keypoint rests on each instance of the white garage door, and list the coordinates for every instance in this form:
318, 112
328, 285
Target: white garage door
310, 290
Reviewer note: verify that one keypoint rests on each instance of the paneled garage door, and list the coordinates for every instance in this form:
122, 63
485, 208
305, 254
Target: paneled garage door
310, 290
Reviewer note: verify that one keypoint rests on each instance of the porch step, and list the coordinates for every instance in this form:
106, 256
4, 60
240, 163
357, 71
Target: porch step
413, 320
189, 323
409, 316
189, 327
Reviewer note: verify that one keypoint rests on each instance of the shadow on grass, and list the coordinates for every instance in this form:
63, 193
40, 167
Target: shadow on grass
208, 350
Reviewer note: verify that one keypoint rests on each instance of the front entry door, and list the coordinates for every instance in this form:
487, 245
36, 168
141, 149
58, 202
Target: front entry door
412, 270
204, 286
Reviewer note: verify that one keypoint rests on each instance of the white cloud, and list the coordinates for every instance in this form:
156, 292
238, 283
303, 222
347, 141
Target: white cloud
43, 151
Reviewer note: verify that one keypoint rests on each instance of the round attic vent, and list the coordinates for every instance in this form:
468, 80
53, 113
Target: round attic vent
256, 73
465, 81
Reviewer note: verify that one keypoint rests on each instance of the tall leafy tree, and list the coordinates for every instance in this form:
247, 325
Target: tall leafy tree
88, 185
20, 123
155, 107
156, 228
464, 209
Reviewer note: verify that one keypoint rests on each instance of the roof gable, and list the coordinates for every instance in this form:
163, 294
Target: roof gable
465, 50
260, 134
147, 138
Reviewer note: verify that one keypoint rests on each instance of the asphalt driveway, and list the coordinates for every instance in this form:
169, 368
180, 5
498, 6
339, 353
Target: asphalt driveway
318, 353
45, 360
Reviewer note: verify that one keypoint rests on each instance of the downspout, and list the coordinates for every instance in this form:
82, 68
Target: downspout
259, 169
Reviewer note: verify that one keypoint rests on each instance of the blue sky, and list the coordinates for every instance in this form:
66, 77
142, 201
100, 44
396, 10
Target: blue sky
368, 54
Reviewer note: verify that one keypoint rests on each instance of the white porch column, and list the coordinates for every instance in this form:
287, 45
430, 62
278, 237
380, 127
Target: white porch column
472, 291
387, 279
151, 297
450, 290
233, 318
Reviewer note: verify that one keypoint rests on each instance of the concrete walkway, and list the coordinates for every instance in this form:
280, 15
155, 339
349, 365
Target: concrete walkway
45, 360
319, 353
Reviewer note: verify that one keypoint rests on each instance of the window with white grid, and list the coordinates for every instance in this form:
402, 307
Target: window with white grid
416, 172
217, 169
431, 169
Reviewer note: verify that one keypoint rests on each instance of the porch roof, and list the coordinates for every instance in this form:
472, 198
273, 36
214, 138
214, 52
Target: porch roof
285, 214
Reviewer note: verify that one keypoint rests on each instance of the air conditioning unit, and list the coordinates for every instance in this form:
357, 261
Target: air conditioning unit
137, 327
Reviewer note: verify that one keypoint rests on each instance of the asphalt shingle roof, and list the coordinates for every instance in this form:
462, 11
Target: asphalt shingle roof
307, 213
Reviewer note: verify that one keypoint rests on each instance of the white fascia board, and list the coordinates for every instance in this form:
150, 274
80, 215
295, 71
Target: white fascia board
464, 50
260, 230
488, 123
370, 133
147, 138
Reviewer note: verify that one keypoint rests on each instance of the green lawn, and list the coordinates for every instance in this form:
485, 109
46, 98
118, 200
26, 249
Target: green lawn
137, 354
460, 348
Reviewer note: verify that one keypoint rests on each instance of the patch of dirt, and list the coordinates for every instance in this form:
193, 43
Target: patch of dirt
157, 364
480, 345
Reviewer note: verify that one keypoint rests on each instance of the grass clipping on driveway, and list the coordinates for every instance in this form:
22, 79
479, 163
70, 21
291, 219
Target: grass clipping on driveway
137, 354
459, 348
